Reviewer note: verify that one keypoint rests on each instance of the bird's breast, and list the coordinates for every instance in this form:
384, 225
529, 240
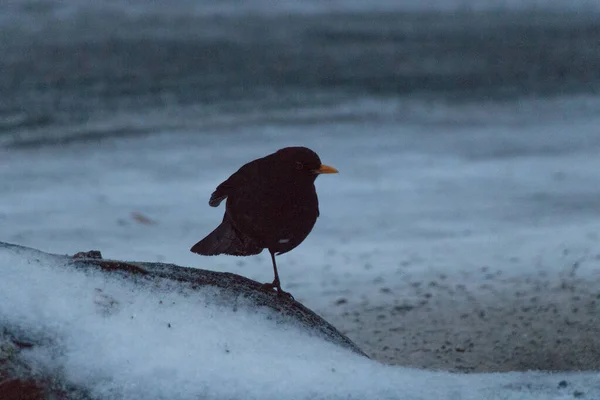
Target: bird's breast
279, 217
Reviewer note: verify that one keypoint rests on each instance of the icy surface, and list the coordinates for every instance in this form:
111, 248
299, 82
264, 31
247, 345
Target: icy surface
117, 340
472, 180
425, 190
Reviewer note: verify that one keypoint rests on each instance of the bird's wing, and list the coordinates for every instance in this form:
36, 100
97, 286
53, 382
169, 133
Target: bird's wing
236, 180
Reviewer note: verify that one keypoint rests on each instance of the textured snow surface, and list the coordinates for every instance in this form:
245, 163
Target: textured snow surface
442, 190
124, 340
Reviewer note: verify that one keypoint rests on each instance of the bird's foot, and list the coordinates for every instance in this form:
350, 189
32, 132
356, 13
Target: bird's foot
275, 286
267, 287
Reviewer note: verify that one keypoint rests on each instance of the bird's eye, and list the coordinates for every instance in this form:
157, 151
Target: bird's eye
299, 165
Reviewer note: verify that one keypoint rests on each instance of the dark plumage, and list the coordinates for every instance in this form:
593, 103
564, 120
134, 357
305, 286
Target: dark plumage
271, 204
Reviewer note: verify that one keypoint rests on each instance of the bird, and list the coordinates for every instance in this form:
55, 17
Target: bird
271, 204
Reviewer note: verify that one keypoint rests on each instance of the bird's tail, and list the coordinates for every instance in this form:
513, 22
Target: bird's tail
226, 240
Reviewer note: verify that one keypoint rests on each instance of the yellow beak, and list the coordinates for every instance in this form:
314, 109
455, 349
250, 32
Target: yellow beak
326, 169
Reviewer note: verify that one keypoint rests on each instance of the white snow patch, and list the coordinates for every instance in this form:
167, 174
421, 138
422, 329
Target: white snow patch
113, 337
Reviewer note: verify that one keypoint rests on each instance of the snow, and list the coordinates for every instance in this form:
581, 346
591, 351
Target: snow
422, 191
116, 339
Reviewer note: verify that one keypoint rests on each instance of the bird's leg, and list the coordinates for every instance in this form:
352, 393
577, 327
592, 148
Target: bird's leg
276, 284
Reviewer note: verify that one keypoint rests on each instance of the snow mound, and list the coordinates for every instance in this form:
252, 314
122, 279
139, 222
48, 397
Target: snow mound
116, 338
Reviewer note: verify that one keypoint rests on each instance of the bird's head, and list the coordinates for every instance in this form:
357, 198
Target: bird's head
304, 161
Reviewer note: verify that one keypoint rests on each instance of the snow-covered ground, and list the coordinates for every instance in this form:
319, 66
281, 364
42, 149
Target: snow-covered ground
440, 213
117, 339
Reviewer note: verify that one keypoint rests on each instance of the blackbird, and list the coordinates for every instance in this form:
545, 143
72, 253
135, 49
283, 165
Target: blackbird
271, 204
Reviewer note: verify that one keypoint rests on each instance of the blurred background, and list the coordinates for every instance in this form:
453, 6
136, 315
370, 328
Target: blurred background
454, 123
